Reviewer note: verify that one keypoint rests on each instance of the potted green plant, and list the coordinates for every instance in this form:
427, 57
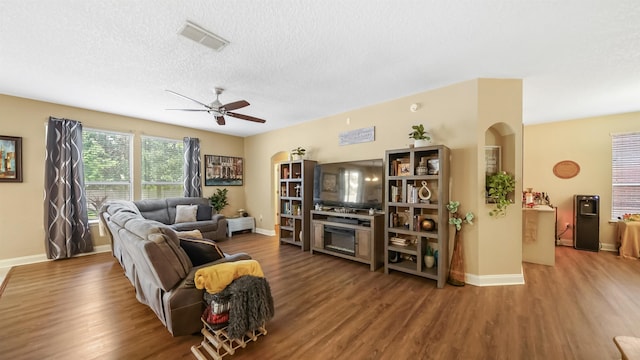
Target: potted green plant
420, 136
219, 199
298, 153
499, 186
429, 258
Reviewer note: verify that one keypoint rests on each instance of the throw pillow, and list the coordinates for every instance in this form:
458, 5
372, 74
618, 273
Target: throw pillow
204, 212
192, 234
201, 251
186, 213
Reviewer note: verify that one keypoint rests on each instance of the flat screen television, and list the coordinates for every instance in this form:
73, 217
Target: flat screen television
350, 184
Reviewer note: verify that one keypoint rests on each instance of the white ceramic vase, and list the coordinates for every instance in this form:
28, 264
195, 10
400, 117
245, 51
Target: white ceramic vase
429, 261
421, 142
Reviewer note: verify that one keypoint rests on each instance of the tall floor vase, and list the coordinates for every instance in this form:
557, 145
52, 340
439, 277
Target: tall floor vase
456, 271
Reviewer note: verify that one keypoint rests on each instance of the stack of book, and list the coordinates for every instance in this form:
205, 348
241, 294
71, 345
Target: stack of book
399, 241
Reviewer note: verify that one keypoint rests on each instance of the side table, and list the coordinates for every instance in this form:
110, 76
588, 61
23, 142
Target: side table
240, 223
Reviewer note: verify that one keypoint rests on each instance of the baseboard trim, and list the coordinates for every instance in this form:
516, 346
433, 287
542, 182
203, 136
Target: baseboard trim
32, 259
565, 242
495, 280
603, 246
265, 232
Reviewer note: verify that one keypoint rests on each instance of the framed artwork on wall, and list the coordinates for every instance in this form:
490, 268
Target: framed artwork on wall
10, 159
222, 170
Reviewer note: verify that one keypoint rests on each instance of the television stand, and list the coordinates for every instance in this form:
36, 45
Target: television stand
353, 236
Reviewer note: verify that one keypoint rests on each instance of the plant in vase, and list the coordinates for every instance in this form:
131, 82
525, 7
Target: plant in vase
429, 258
499, 186
456, 271
298, 153
420, 136
219, 199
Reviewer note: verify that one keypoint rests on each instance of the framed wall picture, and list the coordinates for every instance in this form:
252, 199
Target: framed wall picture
10, 159
222, 170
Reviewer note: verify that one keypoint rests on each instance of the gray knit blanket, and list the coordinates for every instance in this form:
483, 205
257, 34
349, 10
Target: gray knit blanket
251, 304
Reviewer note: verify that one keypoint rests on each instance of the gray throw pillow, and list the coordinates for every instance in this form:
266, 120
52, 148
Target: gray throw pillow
204, 212
186, 213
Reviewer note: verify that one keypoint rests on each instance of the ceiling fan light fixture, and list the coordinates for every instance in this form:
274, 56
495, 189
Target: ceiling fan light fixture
202, 36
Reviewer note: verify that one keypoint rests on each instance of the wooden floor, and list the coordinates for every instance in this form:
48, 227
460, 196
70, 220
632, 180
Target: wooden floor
330, 308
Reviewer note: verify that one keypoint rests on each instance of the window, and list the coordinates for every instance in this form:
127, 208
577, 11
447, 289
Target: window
107, 167
625, 174
162, 167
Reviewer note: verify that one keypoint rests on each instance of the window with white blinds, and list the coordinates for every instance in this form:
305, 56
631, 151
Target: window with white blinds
162, 168
625, 174
107, 167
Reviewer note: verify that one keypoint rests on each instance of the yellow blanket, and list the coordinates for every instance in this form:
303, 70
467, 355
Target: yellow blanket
215, 278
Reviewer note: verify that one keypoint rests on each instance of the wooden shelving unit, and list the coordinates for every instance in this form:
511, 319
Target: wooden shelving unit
295, 201
367, 230
406, 210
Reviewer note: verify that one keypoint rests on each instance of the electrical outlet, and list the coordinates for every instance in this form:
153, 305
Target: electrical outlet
260, 218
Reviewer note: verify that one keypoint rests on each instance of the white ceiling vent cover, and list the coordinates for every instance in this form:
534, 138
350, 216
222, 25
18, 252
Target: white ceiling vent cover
202, 36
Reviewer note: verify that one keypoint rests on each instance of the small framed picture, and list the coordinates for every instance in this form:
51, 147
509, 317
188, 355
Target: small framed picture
10, 159
404, 169
492, 160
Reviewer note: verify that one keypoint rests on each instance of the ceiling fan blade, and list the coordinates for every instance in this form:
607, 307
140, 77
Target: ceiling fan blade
246, 117
220, 120
234, 105
207, 110
188, 98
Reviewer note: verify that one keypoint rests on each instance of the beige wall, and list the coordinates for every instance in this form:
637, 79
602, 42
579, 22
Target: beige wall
587, 142
457, 116
22, 214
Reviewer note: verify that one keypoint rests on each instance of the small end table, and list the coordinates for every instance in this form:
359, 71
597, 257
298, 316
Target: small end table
239, 224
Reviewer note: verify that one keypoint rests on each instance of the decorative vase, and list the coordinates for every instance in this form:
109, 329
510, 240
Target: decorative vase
421, 142
296, 157
456, 271
429, 261
428, 225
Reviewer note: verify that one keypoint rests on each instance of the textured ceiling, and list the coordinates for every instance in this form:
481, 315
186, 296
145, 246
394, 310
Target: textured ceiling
296, 61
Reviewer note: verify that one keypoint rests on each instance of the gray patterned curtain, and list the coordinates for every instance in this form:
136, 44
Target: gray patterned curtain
65, 210
192, 183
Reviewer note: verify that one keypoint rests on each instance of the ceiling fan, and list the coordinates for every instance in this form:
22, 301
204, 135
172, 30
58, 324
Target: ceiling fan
219, 110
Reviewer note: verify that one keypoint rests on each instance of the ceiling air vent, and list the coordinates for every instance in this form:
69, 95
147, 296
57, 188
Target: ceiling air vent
202, 36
